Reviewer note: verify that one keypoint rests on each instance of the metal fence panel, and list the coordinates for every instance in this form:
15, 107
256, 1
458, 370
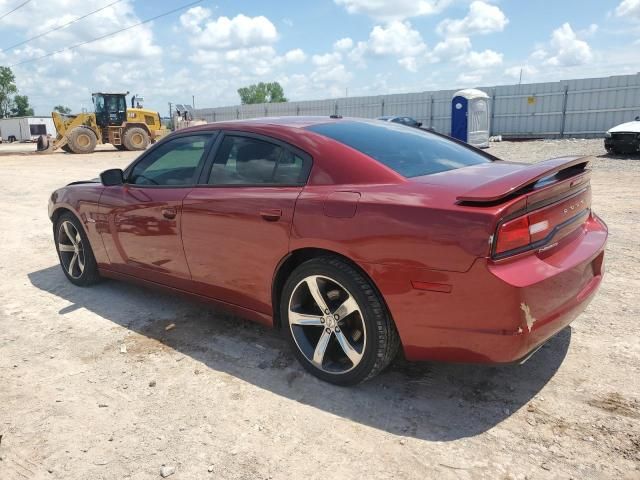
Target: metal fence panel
580, 108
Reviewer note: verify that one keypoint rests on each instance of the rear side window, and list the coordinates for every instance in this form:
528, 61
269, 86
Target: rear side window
409, 151
249, 161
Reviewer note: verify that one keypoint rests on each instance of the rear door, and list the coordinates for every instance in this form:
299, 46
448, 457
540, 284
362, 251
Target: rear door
236, 223
143, 216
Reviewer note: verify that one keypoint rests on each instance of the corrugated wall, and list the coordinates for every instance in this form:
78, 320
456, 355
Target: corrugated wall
578, 108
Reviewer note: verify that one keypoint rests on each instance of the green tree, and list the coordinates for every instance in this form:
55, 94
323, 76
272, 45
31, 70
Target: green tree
7, 89
62, 109
262, 93
21, 107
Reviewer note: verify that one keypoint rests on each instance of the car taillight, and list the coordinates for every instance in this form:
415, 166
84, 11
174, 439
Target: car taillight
538, 228
513, 234
524, 231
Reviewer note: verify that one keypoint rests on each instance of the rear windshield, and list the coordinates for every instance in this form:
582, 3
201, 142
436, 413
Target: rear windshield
409, 151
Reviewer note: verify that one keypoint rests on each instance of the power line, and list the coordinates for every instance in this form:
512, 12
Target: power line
60, 27
11, 11
50, 54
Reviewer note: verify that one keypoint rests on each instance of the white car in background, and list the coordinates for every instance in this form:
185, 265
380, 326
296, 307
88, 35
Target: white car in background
623, 138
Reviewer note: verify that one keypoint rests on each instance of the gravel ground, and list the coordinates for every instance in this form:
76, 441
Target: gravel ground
93, 385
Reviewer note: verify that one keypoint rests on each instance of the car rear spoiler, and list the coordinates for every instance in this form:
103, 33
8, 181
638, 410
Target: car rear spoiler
514, 182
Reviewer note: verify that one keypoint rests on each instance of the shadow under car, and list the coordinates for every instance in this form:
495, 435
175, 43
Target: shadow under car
430, 401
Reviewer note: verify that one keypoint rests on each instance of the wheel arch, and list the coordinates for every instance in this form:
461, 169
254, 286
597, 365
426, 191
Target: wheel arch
61, 210
297, 257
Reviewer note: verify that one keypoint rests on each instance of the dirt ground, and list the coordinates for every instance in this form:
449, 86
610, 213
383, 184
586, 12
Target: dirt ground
93, 386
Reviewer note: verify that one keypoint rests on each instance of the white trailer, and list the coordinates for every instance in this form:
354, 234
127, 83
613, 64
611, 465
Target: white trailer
25, 129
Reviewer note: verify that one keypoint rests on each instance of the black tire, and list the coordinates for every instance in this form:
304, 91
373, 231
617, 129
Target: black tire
88, 274
82, 140
381, 341
135, 138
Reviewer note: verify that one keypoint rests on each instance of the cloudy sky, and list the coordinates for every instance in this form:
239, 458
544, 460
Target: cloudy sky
314, 48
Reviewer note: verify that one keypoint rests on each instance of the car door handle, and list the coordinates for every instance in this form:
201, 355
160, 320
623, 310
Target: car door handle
169, 213
271, 214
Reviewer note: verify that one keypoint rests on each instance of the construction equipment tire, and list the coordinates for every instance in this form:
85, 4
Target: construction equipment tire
82, 140
135, 138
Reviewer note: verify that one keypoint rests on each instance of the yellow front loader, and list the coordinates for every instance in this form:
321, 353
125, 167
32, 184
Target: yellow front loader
114, 123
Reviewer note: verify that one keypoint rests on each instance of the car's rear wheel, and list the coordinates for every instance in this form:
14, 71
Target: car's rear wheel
74, 251
336, 321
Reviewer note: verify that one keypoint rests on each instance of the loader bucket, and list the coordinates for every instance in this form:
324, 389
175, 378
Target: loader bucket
43, 143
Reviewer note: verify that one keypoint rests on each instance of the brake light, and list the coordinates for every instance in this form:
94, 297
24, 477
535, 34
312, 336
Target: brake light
513, 234
537, 227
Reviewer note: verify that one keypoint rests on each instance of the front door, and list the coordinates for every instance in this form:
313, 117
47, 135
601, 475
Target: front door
236, 227
143, 216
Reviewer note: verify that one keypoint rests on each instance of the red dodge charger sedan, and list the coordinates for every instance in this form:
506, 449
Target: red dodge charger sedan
354, 237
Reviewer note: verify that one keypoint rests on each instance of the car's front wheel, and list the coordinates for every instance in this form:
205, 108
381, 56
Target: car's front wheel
74, 251
336, 321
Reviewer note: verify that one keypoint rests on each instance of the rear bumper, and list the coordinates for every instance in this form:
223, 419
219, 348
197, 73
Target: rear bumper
496, 313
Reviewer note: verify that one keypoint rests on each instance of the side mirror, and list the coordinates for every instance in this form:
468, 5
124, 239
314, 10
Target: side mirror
418, 124
638, 118
112, 177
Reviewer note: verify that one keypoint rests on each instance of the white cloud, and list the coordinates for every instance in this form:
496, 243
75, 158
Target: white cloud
295, 56
566, 49
409, 63
194, 17
38, 17
481, 60
328, 79
589, 31
226, 33
628, 9
326, 59
343, 44
483, 18
397, 10
450, 47
396, 39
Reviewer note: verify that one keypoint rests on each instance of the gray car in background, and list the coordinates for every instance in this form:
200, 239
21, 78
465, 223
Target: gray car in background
410, 122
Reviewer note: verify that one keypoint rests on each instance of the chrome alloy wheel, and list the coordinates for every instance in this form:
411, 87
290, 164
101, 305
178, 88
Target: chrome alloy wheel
71, 249
327, 325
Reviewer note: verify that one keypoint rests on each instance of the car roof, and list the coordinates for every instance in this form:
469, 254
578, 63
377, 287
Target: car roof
290, 121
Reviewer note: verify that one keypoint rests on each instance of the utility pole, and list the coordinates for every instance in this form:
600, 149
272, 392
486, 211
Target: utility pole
170, 110
193, 101
520, 81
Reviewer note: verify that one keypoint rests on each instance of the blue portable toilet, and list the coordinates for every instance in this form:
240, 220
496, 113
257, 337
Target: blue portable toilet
470, 117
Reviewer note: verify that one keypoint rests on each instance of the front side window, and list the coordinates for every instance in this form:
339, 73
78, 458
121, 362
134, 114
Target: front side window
249, 161
173, 163
98, 101
409, 151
